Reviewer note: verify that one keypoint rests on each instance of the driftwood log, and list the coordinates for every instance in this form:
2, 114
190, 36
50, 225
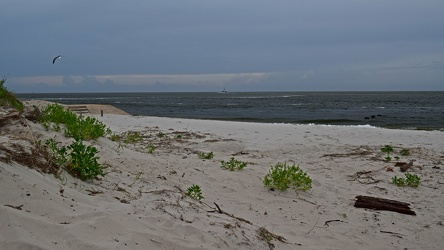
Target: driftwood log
383, 204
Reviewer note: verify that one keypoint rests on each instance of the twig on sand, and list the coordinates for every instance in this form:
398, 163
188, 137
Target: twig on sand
326, 223
312, 228
219, 210
302, 199
15, 207
399, 235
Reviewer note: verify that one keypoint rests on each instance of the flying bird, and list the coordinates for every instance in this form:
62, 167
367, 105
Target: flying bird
55, 58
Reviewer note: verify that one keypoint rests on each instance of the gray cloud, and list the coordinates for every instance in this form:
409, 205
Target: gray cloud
284, 38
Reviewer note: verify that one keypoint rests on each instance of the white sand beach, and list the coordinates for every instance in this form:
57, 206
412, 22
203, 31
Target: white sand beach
141, 202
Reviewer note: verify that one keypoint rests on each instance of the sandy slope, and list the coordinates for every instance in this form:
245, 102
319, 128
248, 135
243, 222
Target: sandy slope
141, 203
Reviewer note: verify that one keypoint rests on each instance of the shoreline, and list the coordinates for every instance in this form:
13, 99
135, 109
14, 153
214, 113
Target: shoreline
141, 203
415, 111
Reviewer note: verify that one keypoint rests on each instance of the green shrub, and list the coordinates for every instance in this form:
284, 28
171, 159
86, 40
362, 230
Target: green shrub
7, 98
82, 161
411, 180
233, 164
195, 192
76, 127
79, 160
283, 176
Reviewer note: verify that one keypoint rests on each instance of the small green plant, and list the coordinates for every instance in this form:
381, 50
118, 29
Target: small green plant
151, 148
161, 134
207, 156
387, 149
283, 176
58, 154
195, 192
404, 152
233, 164
411, 180
400, 182
132, 137
115, 137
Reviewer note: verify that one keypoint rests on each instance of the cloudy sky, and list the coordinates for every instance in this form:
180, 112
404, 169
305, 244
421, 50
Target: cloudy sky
208, 45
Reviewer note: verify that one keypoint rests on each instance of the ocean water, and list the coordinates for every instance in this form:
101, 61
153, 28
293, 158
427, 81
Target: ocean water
405, 110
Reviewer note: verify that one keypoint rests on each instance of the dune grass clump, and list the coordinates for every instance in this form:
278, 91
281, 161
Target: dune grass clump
7, 98
77, 127
283, 176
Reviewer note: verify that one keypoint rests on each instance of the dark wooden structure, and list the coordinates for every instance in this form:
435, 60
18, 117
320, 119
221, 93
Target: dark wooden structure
383, 204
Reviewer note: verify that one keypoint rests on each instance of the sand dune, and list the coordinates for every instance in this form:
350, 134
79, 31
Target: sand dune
141, 202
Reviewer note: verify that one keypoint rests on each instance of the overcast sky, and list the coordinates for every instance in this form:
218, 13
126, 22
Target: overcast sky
208, 45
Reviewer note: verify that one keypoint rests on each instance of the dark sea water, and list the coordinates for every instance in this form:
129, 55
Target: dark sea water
405, 110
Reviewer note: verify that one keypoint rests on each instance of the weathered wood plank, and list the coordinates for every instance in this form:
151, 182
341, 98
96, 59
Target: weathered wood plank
383, 204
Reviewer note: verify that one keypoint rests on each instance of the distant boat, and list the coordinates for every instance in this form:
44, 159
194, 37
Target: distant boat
224, 91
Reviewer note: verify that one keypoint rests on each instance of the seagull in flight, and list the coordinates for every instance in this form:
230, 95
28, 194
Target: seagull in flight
55, 58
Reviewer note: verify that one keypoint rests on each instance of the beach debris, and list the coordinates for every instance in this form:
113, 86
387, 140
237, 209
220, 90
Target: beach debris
329, 221
357, 152
383, 204
363, 177
93, 191
393, 233
267, 236
122, 200
219, 210
404, 166
240, 153
15, 207
389, 169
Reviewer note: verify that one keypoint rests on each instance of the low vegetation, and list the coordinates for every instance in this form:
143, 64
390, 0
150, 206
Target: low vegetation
206, 156
233, 164
7, 98
389, 149
411, 180
79, 128
151, 148
78, 159
195, 192
283, 176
